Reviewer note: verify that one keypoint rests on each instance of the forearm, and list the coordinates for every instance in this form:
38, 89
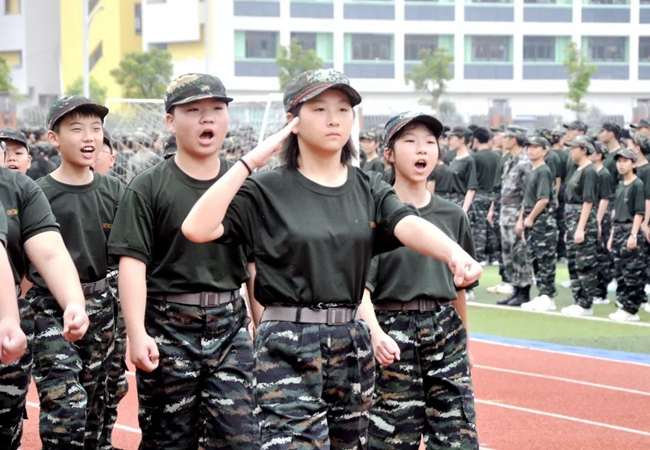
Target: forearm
254, 307
133, 294
602, 209
584, 216
558, 183
646, 216
636, 224
460, 304
424, 237
538, 208
469, 198
8, 303
367, 313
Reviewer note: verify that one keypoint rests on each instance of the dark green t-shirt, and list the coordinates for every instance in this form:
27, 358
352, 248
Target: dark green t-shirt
312, 244
148, 227
553, 163
86, 215
404, 274
630, 201
539, 185
376, 165
582, 186
562, 158
448, 156
463, 175
643, 172
606, 185
486, 167
28, 214
498, 175
570, 168
442, 176
610, 164
3, 227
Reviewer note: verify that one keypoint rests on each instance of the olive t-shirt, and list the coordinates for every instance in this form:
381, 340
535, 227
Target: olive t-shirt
582, 186
312, 244
376, 165
539, 185
630, 201
486, 167
610, 164
148, 228
498, 175
448, 156
562, 158
404, 274
3, 226
553, 162
643, 172
442, 176
570, 168
463, 175
606, 185
28, 214
86, 214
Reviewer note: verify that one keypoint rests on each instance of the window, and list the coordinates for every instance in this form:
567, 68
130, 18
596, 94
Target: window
368, 47
162, 46
644, 49
490, 48
544, 2
95, 56
606, 49
261, 44
608, 2
138, 19
415, 43
539, 48
491, 1
12, 7
306, 40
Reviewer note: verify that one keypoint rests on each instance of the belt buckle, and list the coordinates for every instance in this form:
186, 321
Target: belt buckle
210, 299
336, 316
89, 289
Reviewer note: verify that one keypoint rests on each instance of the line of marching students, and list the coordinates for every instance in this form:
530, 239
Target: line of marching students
353, 332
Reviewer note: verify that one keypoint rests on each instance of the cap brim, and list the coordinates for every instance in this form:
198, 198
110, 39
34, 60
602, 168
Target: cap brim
9, 138
431, 122
196, 98
101, 111
355, 97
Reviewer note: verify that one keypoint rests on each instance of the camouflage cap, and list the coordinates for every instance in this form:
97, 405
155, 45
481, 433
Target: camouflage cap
369, 135
538, 140
626, 153
576, 125
192, 87
396, 123
312, 83
68, 104
498, 128
461, 132
643, 123
9, 134
600, 148
582, 141
643, 142
515, 131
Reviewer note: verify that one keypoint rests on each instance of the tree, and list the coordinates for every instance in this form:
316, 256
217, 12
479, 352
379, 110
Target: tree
431, 75
5, 77
144, 74
579, 73
97, 91
293, 60
448, 113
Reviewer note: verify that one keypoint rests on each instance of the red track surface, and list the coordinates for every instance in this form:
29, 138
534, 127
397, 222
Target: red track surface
526, 399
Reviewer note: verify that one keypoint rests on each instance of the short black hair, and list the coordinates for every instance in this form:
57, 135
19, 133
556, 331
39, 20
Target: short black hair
83, 112
482, 135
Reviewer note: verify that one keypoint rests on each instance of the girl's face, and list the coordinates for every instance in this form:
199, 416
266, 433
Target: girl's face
577, 153
415, 153
325, 122
624, 165
536, 152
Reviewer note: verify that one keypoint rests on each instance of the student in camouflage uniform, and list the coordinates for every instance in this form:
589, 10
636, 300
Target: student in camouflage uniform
71, 379
16, 155
187, 324
463, 182
557, 147
610, 136
417, 304
369, 142
641, 147
582, 228
641, 127
515, 259
537, 224
629, 260
314, 366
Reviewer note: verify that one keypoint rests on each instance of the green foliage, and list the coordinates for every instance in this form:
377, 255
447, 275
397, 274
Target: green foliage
144, 74
293, 60
431, 75
97, 91
5, 77
579, 73
448, 113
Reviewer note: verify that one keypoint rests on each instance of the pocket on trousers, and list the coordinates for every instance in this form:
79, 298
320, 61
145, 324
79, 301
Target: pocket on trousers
146, 420
469, 408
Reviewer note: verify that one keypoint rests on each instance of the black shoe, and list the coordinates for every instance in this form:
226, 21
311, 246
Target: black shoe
508, 299
522, 297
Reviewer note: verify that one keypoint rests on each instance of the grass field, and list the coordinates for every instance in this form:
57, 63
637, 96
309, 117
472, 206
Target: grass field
514, 323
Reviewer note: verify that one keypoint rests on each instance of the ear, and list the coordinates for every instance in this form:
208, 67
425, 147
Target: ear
289, 118
53, 138
169, 123
389, 154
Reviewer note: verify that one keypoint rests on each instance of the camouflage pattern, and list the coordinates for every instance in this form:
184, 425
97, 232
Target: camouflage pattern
9, 134
369, 135
561, 222
201, 394
605, 259
396, 123
193, 87
478, 220
582, 258
14, 384
576, 125
68, 104
454, 197
429, 391
629, 268
626, 153
582, 141
314, 385
541, 244
312, 83
643, 123
71, 377
494, 236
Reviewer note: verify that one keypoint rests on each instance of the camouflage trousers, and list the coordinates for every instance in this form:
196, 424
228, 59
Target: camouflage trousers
515, 259
494, 239
560, 218
582, 258
478, 220
14, 383
201, 394
630, 269
453, 197
71, 377
314, 385
541, 244
605, 260
428, 392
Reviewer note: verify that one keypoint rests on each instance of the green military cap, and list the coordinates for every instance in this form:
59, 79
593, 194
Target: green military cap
538, 140
499, 128
399, 121
192, 87
601, 148
68, 104
9, 134
643, 142
643, 123
626, 153
369, 135
582, 141
312, 83
576, 125
515, 131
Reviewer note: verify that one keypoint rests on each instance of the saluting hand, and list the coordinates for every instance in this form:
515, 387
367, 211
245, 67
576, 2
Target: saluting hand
75, 322
385, 347
13, 342
465, 269
261, 154
144, 352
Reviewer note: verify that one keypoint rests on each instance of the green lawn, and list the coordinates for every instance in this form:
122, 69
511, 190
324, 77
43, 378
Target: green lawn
515, 323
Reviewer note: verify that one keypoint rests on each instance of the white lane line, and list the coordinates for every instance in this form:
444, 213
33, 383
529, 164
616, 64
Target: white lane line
566, 380
560, 416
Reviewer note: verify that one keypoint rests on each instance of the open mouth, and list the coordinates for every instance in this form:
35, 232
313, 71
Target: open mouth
421, 164
206, 137
12, 166
87, 150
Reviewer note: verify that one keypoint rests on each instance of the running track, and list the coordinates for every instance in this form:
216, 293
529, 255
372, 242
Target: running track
526, 399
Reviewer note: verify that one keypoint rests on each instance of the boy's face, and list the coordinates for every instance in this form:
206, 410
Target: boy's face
200, 127
536, 152
17, 157
369, 146
415, 153
624, 165
80, 139
104, 161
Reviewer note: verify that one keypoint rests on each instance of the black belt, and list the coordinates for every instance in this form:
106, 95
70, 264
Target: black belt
95, 286
573, 205
203, 299
419, 304
296, 314
626, 226
511, 200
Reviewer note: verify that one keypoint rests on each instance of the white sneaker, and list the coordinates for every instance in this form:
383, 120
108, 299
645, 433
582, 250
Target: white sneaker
646, 289
623, 316
469, 295
505, 289
646, 307
483, 263
495, 263
566, 284
541, 303
493, 289
611, 287
577, 311
600, 301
